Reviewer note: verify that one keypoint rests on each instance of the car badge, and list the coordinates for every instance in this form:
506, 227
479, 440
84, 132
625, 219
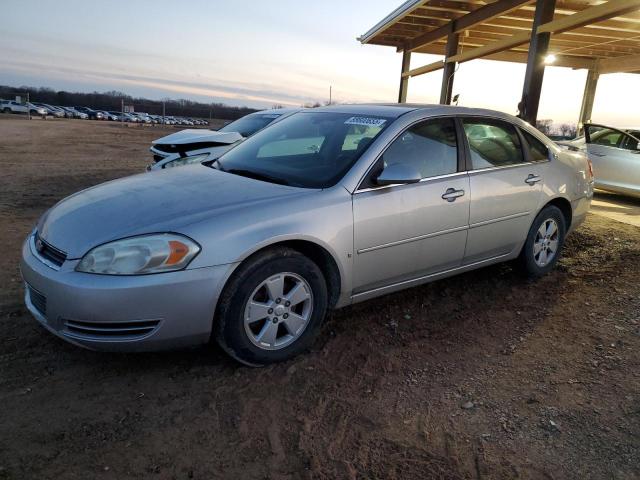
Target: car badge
39, 245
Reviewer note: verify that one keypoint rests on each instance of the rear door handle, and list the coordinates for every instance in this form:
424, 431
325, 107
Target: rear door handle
532, 179
599, 154
451, 194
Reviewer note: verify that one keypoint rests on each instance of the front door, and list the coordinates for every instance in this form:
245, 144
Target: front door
407, 231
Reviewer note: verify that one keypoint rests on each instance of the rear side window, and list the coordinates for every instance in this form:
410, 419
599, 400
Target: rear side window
538, 151
492, 143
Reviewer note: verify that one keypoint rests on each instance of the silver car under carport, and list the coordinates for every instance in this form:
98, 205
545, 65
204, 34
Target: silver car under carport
323, 209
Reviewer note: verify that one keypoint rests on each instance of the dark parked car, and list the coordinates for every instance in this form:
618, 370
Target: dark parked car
91, 113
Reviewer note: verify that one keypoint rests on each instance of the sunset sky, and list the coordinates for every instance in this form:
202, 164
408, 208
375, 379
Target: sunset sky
260, 53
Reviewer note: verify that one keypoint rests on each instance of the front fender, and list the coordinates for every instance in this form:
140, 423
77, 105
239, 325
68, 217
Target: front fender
324, 219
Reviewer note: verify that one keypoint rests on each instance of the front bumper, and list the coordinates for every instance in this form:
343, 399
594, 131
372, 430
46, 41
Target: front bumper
122, 313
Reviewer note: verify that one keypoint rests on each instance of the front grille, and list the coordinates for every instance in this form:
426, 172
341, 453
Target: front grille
49, 252
38, 300
104, 330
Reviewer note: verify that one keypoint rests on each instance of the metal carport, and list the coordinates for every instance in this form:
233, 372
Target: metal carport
602, 37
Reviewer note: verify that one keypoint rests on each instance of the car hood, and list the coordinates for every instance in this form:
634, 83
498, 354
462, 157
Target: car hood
198, 135
163, 201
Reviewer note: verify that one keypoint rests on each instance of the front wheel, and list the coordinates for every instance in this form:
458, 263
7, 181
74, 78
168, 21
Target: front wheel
544, 242
6, 110
272, 307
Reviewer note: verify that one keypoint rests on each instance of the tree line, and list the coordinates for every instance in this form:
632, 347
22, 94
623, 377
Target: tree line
565, 130
112, 100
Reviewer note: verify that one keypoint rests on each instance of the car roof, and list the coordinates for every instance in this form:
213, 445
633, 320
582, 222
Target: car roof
395, 110
380, 109
279, 111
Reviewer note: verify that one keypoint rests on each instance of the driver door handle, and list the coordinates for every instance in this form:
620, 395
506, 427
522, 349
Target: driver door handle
532, 179
599, 154
451, 194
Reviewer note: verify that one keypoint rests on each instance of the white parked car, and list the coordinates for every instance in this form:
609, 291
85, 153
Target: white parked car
197, 145
615, 155
142, 117
11, 106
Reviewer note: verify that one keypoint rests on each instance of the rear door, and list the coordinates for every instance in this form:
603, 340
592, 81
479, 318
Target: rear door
505, 183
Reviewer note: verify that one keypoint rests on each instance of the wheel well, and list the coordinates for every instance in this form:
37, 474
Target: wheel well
321, 257
565, 207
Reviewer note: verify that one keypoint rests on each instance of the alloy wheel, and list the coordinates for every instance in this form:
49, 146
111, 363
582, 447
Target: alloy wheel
545, 245
278, 311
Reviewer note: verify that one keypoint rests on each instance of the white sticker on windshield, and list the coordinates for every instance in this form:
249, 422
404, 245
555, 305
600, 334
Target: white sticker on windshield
366, 121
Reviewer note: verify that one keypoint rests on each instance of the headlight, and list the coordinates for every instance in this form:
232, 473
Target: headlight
179, 162
156, 253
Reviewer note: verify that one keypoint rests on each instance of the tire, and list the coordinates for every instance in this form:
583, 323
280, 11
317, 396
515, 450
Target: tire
542, 249
6, 110
254, 342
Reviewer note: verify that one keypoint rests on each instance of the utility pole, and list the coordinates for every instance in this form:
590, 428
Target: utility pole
330, 93
163, 113
122, 112
28, 107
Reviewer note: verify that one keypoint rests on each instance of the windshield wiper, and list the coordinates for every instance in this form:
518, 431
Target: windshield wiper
258, 176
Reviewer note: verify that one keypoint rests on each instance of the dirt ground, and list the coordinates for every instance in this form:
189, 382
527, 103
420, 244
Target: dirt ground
481, 376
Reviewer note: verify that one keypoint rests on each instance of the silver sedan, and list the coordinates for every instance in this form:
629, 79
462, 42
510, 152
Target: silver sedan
328, 207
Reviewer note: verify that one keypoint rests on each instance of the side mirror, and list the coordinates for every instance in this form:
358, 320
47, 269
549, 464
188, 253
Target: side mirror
398, 173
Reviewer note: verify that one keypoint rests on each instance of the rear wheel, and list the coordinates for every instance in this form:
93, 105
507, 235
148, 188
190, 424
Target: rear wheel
546, 237
6, 110
272, 307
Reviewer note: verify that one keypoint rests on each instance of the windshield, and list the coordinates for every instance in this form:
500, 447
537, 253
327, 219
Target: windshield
307, 149
247, 126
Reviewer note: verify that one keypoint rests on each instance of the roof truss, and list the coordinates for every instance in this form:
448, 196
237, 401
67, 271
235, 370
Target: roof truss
585, 33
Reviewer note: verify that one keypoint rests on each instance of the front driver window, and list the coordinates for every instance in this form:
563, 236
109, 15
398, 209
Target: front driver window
430, 148
492, 143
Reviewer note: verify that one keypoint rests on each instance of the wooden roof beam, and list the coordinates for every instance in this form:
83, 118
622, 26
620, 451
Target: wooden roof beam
629, 63
591, 15
432, 67
480, 15
493, 47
